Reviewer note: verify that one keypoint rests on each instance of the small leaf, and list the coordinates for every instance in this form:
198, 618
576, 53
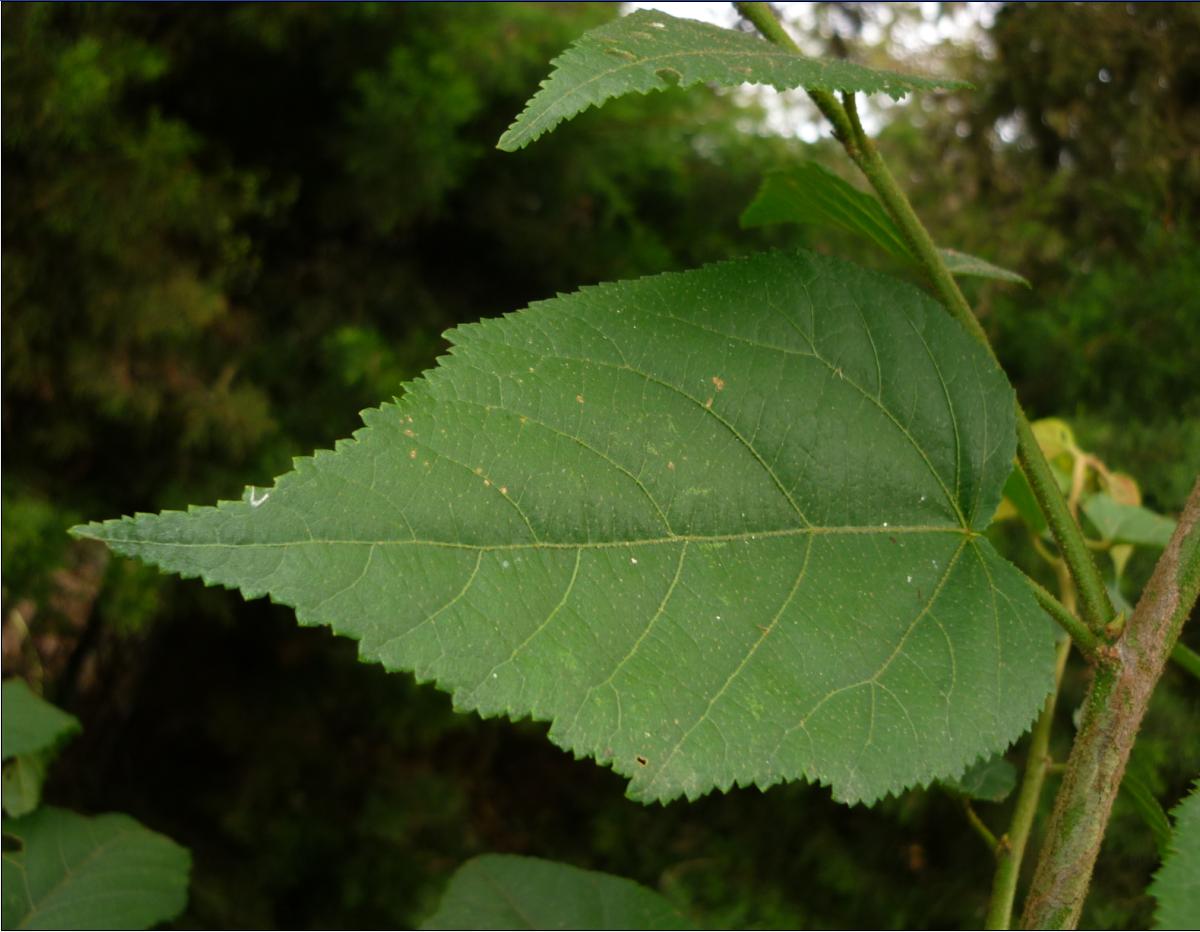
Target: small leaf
1055, 437
1023, 502
502, 891
964, 265
1127, 524
1176, 886
651, 51
1135, 787
719, 527
75, 872
29, 723
811, 193
989, 780
22, 778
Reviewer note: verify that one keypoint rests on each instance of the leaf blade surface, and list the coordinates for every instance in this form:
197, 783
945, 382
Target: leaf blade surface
1176, 886
719, 527
103, 872
649, 50
504, 891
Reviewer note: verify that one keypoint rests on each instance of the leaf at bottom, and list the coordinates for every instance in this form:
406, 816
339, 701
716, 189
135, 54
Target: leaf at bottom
500, 891
74, 872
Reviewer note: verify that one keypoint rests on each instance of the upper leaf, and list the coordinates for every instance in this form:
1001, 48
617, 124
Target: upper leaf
1176, 886
810, 193
75, 872
30, 723
651, 51
719, 526
503, 891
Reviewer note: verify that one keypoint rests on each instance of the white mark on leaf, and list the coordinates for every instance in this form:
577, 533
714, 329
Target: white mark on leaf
255, 501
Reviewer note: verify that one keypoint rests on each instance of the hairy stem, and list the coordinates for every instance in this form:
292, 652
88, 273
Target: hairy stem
1011, 850
1112, 713
1097, 608
1080, 633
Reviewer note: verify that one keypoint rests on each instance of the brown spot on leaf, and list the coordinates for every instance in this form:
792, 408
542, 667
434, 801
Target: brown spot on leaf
579, 398
641, 760
718, 382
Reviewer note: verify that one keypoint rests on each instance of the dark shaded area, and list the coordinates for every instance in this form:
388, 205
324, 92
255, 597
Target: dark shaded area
230, 228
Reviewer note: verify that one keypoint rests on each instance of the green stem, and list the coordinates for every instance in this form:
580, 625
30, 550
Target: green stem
1080, 633
1187, 658
1113, 710
977, 823
1097, 607
1012, 846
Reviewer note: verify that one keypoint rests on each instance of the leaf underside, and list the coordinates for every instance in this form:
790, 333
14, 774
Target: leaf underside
810, 193
651, 51
1176, 886
501, 891
76, 872
718, 527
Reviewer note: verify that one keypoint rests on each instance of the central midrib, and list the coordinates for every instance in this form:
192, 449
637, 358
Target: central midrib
879, 530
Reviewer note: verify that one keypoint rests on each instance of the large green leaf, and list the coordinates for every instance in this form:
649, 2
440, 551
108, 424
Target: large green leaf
73, 872
502, 891
1176, 886
649, 50
810, 193
29, 723
718, 527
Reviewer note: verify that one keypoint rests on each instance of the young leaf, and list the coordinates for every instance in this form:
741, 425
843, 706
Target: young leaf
718, 527
1176, 886
74, 872
1127, 524
503, 891
30, 724
651, 51
967, 266
811, 193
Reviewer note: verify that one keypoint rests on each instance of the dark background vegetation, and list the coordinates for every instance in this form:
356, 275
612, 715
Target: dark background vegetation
228, 229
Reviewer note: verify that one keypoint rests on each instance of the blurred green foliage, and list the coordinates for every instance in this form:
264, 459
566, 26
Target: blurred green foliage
230, 228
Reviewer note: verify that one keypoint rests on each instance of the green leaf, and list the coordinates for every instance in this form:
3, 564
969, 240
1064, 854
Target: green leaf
502, 891
1135, 787
1176, 886
651, 51
1127, 524
990, 780
22, 781
810, 193
968, 266
75, 872
1019, 493
718, 527
29, 723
